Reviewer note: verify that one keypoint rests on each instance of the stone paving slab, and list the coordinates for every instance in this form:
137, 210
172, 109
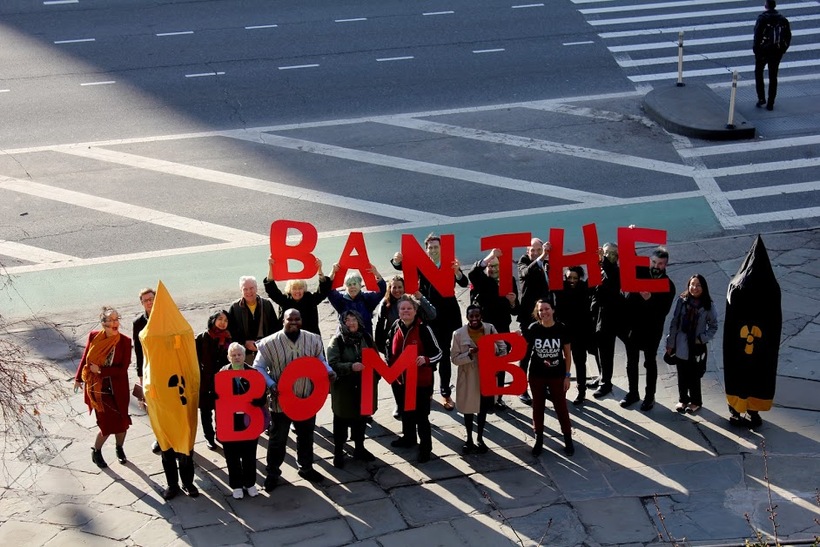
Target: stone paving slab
432, 502
331, 533
373, 518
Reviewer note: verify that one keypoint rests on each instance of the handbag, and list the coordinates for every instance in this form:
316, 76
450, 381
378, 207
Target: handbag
138, 393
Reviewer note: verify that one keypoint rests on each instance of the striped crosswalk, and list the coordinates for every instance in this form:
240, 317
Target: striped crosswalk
643, 37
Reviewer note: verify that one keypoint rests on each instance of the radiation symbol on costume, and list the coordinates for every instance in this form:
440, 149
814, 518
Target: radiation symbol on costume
179, 381
750, 333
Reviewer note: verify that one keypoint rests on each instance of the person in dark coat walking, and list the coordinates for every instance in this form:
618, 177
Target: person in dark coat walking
772, 38
607, 313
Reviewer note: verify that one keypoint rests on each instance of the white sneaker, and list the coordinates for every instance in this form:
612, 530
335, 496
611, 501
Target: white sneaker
238, 494
252, 491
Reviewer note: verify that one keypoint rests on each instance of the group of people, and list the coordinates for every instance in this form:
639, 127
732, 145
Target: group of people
560, 327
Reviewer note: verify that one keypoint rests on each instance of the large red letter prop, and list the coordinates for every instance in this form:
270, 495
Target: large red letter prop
507, 244
373, 364
228, 404
588, 257
359, 261
489, 364
627, 237
296, 408
415, 260
280, 251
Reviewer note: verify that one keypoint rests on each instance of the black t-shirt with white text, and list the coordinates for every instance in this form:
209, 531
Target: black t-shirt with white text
545, 349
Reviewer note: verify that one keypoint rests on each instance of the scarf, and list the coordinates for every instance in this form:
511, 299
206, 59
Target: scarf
100, 353
222, 337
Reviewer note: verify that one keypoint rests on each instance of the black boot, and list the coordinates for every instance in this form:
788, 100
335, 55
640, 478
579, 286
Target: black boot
538, 445
569, 448
754, 419
121, 455
97, 458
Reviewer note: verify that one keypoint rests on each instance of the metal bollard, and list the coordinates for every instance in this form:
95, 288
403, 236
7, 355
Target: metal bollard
731, 123
680, 59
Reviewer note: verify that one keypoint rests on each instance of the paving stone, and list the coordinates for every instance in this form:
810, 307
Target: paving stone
809, 338
484, 530
435, 535
76, 537
616, 520
286, 506
403, 475
26, 533
201, 511
157, 531
794, 475
115, 523
330, 533
556, 524
432, 502
516, 487
69, 514
67, 482
703, 516
225, 533
707, 474
354, 492
373, 518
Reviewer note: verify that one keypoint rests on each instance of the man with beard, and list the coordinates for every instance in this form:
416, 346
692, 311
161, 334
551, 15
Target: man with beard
572, 309
533, 271
496, 310
645, 316
275, 353
448, 313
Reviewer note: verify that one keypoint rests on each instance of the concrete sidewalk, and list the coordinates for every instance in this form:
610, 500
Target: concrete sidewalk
630, 467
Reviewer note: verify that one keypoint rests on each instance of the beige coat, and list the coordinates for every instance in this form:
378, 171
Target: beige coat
468, 384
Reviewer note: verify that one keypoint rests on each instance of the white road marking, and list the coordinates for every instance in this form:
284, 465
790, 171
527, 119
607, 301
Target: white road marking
248, 183
766, 167
75, 41
107, 82
694, 28
439, 13
32, 254
496, 50
57, 2
5, 90
203, 74
294, 67
715, 71
660, 5
522, 6
352, 20
179, 33
671, 60
405, 58
537, 144
585, 42
777, 216
693, 14
751, 146
257, 27
687, 43
421, 167
703, 177
766, 191
127, 210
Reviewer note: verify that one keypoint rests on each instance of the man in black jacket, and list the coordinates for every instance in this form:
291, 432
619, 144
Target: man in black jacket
772, 38
251, 318
607, 305
645, 316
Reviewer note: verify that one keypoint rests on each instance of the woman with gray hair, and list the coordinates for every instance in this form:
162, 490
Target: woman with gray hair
354, 298
297, 297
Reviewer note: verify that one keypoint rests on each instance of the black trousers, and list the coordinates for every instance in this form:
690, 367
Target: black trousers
689, 375
419, 420
278, 442
579, 357
444, 369
356, 426
206, 413
240, 457
650, 363
186, 468
773, 61
605, 342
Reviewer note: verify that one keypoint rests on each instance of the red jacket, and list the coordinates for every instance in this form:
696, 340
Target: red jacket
418, 334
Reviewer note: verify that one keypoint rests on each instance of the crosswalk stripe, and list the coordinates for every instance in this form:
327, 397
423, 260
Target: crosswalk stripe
693, 14
248, 183
31, 254
715, 71
419, 166
657, 5
544, 146
778, 216
802, 163
127, 210
766, 191
695, 28
751, 146
742, 53
673, 44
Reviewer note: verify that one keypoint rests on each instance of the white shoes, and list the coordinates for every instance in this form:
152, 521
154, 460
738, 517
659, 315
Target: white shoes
252, 491
238, 494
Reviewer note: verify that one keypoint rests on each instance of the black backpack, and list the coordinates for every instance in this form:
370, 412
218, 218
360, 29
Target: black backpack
773, 38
